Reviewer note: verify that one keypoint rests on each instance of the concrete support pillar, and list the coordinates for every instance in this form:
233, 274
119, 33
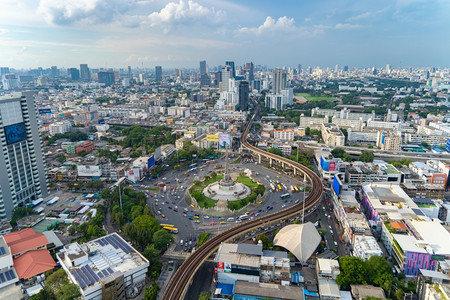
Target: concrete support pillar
270, 161
259, 158
295, 171
282, 165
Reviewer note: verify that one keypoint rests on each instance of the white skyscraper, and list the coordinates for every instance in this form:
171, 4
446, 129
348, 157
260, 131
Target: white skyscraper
21, 160
279, 80
226, 75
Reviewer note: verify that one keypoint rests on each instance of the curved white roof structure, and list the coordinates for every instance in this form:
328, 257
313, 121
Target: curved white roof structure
300, 239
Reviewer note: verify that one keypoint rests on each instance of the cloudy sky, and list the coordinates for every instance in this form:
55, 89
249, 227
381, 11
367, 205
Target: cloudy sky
180, 33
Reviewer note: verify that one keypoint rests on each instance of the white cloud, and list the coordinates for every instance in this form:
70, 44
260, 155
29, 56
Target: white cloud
271, 25
65, 12
184, 12
3, 31
347, 26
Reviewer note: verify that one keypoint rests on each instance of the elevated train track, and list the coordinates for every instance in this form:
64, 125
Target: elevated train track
180, 281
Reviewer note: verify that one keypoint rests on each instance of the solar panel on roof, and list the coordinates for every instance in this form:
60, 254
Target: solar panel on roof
2, 278
110, 270
100, 241
89, 269
2, 250
8, 277
100, 274
12, 274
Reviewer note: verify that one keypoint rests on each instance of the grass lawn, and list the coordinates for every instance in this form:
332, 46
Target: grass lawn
314, 98
247, 181
211, 180
152, 189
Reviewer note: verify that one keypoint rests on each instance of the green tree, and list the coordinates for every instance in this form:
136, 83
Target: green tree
61, 158
366, 156
152, 254
266, 242
352, 271
338, 152
69, 291
378, 266
20, 212
55, 281
151, 293
161, 239
275, 151
141, 230
399, 294
307, 131
204, 295
44, 294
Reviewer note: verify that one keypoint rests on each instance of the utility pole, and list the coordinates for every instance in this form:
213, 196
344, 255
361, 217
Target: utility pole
120, 196
304, 197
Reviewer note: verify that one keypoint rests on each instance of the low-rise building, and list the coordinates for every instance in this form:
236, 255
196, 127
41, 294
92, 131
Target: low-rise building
389, 140
365, 246
283, 134
105, 268
332, 135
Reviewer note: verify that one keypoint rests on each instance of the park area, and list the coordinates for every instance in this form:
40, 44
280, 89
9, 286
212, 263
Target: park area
309, 97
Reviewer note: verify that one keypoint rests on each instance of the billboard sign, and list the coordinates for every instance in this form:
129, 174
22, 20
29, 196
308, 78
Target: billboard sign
224, 140
151, 161
336, 186
43, 111
89, 171
332, 166
15, 133
212, 138
101, 121
227, 267
220, 267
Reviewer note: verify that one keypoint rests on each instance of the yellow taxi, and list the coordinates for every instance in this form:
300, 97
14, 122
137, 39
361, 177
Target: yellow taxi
197, 221
223, 222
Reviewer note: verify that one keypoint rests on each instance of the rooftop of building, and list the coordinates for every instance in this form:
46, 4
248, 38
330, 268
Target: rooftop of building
33, 263
363, 291
23, 240
327, 265
328, 288
434, 234
268, 290
4, 249
92, 261
247, 256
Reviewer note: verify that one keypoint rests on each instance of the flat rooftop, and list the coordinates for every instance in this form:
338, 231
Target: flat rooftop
268, 290
107, 255
229, 253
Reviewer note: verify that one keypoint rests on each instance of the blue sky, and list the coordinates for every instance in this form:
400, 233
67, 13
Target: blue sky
180, 33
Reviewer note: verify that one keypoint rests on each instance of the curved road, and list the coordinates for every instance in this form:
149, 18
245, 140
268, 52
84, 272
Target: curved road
180, 281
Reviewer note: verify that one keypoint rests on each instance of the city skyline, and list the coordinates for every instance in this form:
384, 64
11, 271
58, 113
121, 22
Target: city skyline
181, 33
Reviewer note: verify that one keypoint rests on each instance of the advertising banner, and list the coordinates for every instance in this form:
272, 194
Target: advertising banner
86, 170
212, 138
224, 140
227, 267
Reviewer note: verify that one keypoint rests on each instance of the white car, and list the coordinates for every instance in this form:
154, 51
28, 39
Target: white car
206, 217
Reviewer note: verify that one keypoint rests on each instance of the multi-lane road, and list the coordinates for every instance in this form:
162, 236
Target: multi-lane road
181, 279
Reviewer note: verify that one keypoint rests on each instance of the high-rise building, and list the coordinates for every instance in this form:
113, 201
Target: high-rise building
226, 75
4, 70
85, 73
24, 175
345, 68
106, 77
243, 95
233, 69
158, 73
10, 82
249, 68
279, 80
388, 68
205, 80
74, 74
54, 72
299, 69
130, 75
202, 67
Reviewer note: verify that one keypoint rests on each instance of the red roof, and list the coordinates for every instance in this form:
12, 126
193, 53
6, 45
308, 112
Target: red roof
33, 263
24, 240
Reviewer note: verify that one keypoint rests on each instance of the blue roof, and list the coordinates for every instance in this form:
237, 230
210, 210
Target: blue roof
227, 289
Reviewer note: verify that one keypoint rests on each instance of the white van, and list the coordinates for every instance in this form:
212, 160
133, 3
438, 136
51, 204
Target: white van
243, 217
231, 219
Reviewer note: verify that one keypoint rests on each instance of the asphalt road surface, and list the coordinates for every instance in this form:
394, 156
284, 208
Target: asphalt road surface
188, 230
